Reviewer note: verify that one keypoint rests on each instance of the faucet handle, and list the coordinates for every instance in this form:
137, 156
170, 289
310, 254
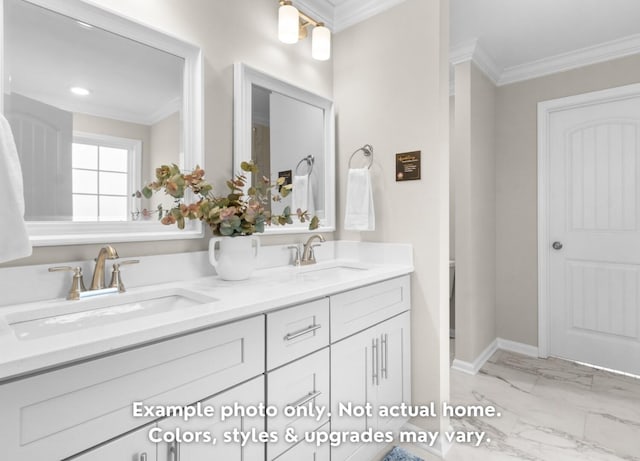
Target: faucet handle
77, 284
116, 278
296, 261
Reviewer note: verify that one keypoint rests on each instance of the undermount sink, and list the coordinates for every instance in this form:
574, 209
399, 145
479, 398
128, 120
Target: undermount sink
329, 271
67, 316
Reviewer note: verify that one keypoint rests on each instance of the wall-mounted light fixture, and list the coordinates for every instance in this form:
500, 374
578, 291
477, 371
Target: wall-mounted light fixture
293, 25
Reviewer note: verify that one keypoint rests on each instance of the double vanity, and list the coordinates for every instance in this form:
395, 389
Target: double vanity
336, 332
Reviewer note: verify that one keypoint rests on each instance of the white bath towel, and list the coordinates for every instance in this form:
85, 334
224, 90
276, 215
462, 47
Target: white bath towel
302, 195
14, 240
360, 214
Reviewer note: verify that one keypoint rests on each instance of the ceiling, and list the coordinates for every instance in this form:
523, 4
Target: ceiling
514, 40
46, 53
519, 39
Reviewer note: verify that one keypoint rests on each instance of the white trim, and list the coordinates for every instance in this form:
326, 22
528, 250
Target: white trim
486, 64
472, 51
439, 448
463, 52
602, 52
72, 233
474, 367
350, 13
319, 10
574, 59
518, 348
545, 110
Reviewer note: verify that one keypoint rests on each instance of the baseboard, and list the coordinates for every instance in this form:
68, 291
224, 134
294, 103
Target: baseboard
439, 448
472, 368
519, 348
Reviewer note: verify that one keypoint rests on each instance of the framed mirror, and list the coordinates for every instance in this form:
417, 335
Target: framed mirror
96, 102
287, 132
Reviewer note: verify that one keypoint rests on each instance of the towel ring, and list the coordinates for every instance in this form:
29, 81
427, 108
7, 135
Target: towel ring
367, 151
310, 160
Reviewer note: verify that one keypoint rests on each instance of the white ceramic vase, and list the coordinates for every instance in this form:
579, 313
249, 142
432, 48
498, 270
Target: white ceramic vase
236, 258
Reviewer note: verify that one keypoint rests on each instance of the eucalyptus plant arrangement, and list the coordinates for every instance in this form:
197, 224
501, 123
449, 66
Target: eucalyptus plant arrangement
242, 211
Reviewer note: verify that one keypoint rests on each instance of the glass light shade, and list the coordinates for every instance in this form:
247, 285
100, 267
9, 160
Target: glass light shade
288, 24
321, 43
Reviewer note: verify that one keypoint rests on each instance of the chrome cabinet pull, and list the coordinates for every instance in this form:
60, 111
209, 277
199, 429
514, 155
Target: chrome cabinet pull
173, 452
375, 365
304, 331
306, 399
385, 356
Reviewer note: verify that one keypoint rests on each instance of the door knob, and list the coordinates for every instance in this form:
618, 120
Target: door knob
557, 245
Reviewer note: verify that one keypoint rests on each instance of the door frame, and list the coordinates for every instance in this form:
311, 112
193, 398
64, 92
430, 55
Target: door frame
545, 110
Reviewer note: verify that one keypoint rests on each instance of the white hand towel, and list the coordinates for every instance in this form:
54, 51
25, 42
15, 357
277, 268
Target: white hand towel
14, 240
360, 214
302, 195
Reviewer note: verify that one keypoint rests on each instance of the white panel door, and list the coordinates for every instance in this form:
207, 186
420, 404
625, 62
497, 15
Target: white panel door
594, 253
43, 136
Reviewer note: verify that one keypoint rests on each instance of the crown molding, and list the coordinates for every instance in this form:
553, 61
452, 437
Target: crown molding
606, 51
471, 51
319, 10
354, 11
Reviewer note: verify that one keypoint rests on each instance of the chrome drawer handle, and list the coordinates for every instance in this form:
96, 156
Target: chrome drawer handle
375, 365
174, 454
385, 356
297, 334
306, 399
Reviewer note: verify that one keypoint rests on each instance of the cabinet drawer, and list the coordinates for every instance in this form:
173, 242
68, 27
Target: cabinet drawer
355, 310
56, 414
135, 446
300, 384
307, 451
297, 331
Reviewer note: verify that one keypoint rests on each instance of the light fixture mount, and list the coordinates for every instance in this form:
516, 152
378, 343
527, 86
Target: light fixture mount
294, 25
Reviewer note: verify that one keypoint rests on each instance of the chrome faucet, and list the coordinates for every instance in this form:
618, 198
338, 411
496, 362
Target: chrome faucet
107, 252
308, 256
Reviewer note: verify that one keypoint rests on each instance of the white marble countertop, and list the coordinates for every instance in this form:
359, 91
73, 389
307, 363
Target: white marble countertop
267, 289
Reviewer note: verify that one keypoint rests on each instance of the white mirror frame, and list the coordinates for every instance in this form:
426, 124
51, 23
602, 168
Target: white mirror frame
244, 78
72, 233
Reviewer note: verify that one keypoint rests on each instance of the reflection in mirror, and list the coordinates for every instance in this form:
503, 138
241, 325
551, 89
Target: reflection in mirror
91, 112
288, 133
295, 131
95, 102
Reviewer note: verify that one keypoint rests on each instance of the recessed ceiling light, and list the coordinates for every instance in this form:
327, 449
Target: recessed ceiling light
80, 91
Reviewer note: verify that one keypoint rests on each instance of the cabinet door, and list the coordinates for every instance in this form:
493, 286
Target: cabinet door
395, 362
250, 393
131, 447
351, 382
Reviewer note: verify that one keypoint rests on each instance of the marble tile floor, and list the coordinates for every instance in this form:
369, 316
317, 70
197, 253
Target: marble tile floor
551, 410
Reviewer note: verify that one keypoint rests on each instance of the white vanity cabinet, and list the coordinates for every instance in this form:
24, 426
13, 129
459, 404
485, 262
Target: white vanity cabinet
57, 414
298, 367
373, 364
350, 347
131, 447
308, 451
222, 444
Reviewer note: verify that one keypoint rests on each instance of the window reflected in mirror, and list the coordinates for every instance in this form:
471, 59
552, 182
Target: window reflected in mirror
92, 113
